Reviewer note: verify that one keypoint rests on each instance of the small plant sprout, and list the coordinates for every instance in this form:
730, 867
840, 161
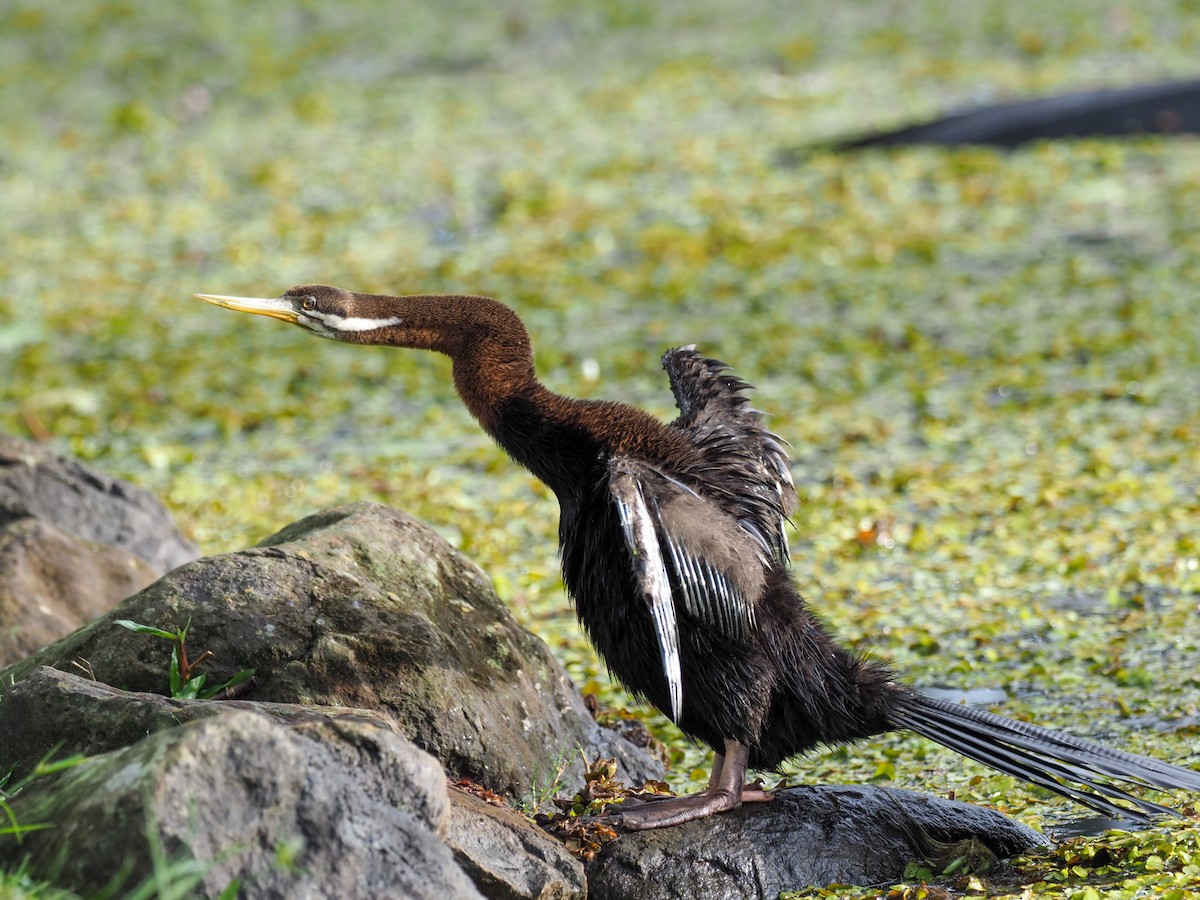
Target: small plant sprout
542, 791
185, 683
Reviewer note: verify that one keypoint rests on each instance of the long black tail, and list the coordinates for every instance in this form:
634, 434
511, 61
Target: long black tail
1072, 767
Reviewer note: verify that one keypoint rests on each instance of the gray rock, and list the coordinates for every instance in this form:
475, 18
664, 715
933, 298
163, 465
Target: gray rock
507, 857
807, 836
52, 582
366, 607
72, 545
39, 484
49, 709
320, 809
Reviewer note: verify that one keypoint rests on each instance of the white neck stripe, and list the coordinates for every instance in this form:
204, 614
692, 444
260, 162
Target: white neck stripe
353, 323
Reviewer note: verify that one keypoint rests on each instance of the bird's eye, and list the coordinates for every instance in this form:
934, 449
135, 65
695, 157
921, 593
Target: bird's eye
308, 303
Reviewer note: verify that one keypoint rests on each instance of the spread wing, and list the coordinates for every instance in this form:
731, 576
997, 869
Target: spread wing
687, 553
745, 467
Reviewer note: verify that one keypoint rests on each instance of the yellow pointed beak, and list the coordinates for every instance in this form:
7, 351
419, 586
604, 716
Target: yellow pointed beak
276, 309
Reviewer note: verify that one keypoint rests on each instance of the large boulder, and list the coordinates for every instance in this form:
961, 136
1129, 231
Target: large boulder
53, 711
805, 836
52, 582
317, 809
501, 851
364, 626
311, 787
73, 544
37, 483
365, 607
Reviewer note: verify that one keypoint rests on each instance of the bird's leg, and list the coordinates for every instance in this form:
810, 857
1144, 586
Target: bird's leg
714, 774
713, 777
752, 792
725, 791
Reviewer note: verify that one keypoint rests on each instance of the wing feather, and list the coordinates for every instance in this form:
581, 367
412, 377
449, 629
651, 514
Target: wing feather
641, 537
744, 465
689, 558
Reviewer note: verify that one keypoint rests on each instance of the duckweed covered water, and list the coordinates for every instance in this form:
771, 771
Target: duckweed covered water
987, 364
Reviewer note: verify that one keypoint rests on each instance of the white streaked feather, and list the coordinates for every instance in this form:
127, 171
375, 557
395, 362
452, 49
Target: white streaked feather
642, 540
351, 323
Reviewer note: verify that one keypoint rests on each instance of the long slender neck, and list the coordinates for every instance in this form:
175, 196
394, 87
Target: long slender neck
561, 440
487, 342
494, 375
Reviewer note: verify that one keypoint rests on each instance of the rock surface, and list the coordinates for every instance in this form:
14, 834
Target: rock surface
364, 626
37, 483
49, 709
806, 836
320, 809
507, 857
72, 545
52, 582
365, 607
219, 793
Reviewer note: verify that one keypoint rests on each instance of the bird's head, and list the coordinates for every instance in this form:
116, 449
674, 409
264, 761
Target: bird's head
326, 311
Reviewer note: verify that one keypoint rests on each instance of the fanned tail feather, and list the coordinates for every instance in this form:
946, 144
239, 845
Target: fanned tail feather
1072, 767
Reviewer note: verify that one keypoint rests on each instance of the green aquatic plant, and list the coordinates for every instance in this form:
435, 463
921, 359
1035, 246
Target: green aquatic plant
184, 681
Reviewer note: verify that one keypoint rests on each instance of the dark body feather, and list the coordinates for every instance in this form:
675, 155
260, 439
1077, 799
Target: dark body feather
673, 548
780, 690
